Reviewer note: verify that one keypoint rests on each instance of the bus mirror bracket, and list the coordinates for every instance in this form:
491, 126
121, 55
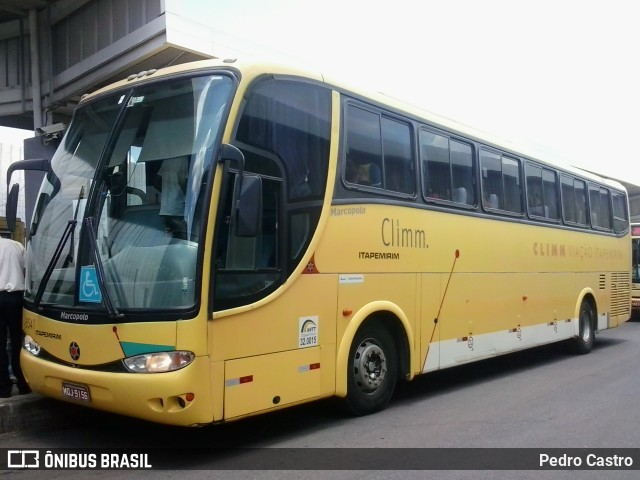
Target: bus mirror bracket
39, 164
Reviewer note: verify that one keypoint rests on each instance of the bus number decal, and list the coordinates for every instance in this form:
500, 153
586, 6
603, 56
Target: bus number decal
308, 331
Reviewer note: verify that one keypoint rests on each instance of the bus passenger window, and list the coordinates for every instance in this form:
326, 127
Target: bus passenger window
434, 154
620, 214
542, 194
574, 200
379, 152
398, 157
501, 178
448, 168
364, 148
600, 207
512, 184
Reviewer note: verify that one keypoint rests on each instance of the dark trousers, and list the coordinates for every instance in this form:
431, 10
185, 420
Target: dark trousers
175, 226
11, 326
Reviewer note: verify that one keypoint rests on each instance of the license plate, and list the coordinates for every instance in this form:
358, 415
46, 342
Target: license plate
75, 391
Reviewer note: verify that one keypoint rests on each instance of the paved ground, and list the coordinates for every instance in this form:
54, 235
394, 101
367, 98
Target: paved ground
21, 412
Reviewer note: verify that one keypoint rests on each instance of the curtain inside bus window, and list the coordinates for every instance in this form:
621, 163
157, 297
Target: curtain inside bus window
397, 157
542, 192
568, 199
600, 207
434, 154
492, 190
550, 194
512, 186
448, 168
462, 173
501, 187
535, 203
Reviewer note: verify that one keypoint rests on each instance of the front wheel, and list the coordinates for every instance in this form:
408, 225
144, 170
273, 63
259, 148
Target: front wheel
372, 371
583, 343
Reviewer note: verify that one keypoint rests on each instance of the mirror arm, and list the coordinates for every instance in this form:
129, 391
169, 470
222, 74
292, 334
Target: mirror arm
39, 164
233, 154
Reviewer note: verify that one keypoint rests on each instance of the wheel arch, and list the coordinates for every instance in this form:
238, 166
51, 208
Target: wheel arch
586, 295
389, 316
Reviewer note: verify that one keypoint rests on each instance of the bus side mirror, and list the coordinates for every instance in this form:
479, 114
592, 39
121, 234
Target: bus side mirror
12, 207
247, 193
40, 164
249, 206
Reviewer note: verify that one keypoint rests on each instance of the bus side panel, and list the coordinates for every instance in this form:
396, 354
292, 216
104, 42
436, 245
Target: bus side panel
432, 287
273, 324
472, 327
264, 382
469, 316
362, 296
598, 284
273, 342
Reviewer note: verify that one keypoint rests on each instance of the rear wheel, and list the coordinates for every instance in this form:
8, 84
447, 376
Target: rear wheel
372, 371
583, 343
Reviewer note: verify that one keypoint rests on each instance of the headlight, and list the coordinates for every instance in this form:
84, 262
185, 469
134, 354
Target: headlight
31, 345
159, 362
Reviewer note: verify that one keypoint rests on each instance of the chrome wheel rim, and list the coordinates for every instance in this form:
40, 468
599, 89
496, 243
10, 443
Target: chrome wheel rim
369, 366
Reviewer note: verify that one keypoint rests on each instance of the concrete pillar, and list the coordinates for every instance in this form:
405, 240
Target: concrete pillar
36, 94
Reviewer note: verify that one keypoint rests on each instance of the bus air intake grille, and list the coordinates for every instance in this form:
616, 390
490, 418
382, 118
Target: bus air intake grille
602, 282
620, 293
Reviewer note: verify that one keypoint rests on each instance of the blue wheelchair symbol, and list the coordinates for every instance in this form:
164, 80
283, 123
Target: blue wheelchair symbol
89, 291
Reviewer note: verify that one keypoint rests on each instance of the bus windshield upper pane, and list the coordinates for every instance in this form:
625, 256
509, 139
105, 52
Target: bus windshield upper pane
137, 163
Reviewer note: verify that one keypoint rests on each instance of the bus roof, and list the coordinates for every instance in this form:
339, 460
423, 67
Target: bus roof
251, 68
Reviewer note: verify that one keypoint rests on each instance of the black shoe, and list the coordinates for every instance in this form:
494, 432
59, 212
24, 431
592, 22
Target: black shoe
5, 395
24, 390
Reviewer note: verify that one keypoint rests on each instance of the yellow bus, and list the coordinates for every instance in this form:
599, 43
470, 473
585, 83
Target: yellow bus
221, 239
635, 272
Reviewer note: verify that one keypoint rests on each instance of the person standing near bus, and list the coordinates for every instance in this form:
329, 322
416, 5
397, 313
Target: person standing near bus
174, 173
11, 293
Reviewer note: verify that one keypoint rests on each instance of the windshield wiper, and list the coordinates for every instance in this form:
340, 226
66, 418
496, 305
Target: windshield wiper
113, 312
68, 233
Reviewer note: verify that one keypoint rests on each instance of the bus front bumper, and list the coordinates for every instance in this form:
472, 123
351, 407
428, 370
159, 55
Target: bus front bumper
181, 397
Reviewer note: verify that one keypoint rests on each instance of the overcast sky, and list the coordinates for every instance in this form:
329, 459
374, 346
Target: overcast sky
557, 75
14, 136
561, 76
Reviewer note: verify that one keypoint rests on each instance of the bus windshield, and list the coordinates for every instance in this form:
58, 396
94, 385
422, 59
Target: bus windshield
136, 163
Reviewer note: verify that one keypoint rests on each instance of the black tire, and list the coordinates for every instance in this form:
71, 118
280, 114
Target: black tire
583, 343
372, 371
